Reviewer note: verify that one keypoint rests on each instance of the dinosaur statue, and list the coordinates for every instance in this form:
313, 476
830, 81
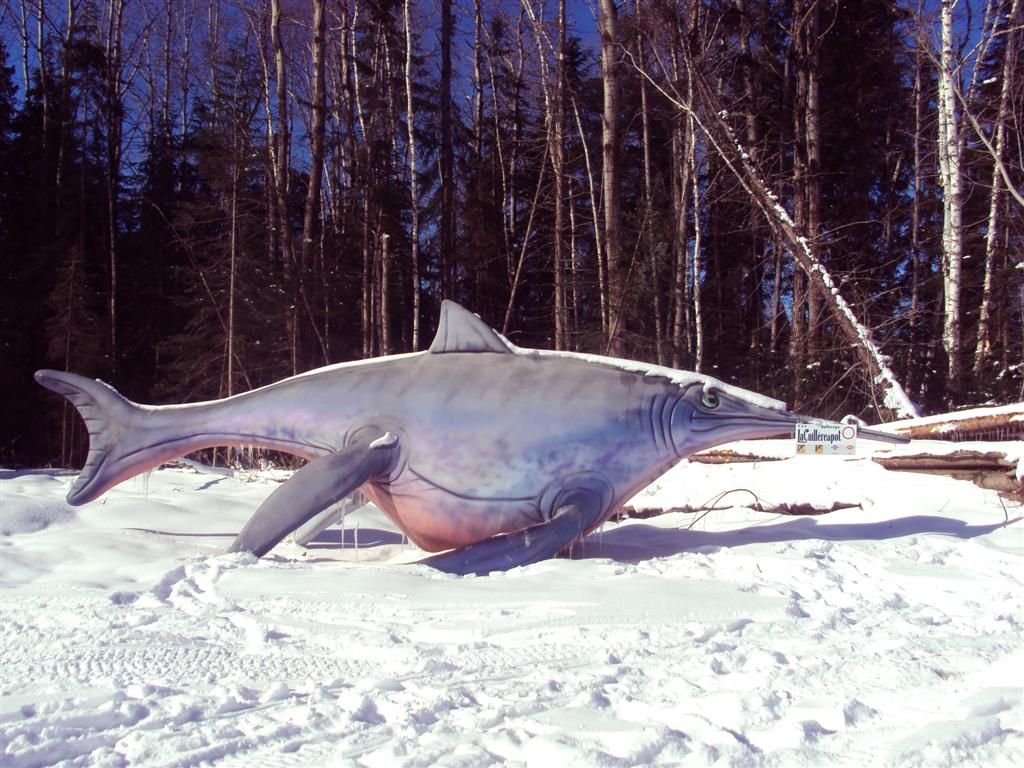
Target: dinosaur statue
500, 455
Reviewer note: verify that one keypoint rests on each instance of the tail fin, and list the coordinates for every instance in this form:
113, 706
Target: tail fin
109, 417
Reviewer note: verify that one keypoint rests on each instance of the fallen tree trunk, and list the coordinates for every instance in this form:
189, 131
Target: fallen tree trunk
713, 122
1001, 423
988, 469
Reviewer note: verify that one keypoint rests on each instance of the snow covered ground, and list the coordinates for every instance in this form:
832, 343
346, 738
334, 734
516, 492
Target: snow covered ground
886, 634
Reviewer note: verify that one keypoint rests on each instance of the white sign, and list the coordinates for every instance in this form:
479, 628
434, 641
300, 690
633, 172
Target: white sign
826, 439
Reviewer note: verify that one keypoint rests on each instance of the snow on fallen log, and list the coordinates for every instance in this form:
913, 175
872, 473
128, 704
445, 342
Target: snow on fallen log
999, 423
994, 470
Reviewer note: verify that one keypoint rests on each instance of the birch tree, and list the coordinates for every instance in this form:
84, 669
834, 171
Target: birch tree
983, 346
950, 150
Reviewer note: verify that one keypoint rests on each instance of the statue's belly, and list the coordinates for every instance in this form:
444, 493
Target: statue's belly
437, 519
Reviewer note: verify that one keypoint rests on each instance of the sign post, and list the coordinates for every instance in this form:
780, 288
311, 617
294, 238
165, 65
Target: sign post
826, 439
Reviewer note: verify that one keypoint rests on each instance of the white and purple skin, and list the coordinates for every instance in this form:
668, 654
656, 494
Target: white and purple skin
502, 456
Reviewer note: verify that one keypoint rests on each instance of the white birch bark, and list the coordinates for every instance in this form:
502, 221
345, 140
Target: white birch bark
952, 197
414, 195
984, 345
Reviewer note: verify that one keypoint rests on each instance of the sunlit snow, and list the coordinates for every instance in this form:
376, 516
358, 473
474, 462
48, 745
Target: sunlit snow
885, 634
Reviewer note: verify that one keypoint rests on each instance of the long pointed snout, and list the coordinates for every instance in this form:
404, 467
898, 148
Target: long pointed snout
725, 418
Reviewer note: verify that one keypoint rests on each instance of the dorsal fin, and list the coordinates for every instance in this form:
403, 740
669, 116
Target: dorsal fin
461, 331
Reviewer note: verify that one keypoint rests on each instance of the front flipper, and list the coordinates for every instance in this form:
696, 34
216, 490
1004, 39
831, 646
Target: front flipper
318, 485
578, 510
322, 520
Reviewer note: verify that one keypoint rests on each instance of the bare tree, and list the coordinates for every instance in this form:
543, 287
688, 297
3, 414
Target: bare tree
711, 117
806, 180
311, 215
553, 88
414, 195
617, 270
695, 270
114, 113
557, 131
683, 138
446, 157
648, 206
950, 150
983, 347
280, 147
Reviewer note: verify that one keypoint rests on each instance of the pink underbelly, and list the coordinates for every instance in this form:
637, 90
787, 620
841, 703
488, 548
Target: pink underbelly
435, 520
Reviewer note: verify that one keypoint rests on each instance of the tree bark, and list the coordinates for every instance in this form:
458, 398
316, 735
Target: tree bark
698, 315
414, 195
950, 149
648, 210
812, 118
280, 146
599, 253
446, 157
983, 347
114, 128
385, 294
558, 171
682, 136
311, 214
608, 24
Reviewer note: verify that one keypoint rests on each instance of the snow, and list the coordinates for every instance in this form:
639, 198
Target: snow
887, 634
1014, 412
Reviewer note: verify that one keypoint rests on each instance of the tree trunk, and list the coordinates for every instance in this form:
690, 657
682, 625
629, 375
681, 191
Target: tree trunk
617, 272
558, 169
915, 215
776, 306
698, 315
114, 127
414, 195
385, 294
799, 326
311, 214
983, 347
280, 146
236, 160
682, 137
950, 148
599, 253
753, 141
646, 235
367, 283
446, 158
812, 118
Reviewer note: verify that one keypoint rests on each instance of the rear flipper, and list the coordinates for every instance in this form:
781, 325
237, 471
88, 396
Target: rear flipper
113, 424
314, 488
578, 511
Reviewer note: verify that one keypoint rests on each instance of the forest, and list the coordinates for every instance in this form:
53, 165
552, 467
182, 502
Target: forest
819, 200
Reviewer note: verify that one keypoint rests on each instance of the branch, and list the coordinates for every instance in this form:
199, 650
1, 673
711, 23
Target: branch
738, 161
1010, 51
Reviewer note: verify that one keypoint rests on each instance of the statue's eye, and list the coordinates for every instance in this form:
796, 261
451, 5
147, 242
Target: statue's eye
709, 400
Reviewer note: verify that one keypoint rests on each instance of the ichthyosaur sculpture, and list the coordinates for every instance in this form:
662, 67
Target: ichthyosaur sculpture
502, 455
